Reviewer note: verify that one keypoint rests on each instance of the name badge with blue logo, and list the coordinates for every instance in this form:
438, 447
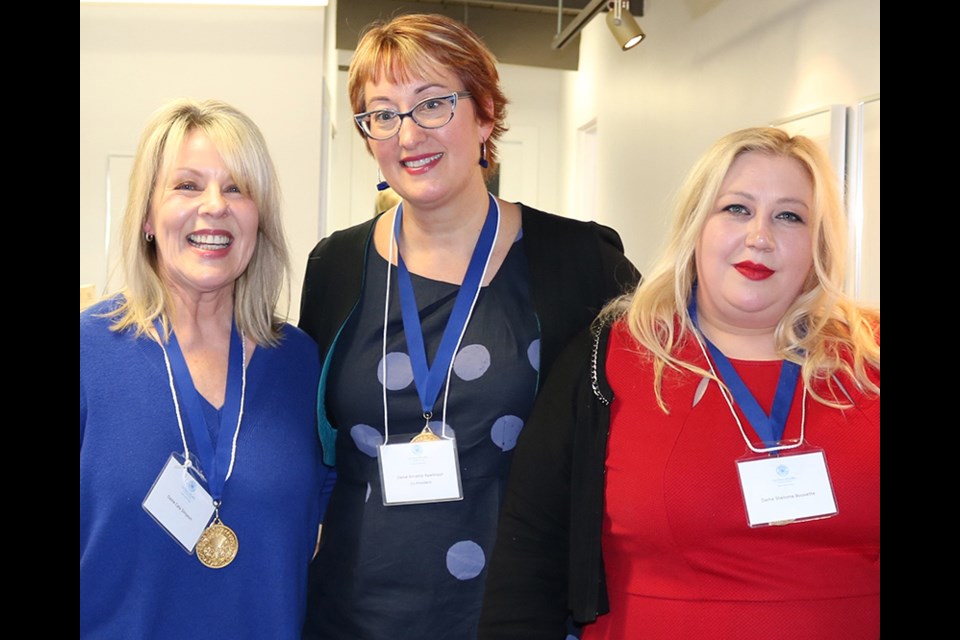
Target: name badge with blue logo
414, 470
179, 503
788, 488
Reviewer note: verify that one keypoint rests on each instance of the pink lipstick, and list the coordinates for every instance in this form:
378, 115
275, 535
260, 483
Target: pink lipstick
420, 164
753, 271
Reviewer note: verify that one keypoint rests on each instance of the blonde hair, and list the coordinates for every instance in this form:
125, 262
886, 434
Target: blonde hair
414, 45
244, 152
823, 330
386, 200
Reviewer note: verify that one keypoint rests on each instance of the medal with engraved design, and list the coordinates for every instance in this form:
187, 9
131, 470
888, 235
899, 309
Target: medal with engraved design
426, 435
218, 545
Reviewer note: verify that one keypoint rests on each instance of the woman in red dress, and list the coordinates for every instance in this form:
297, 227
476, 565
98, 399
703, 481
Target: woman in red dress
706, 463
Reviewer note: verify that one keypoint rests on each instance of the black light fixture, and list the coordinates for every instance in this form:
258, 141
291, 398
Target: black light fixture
623, 25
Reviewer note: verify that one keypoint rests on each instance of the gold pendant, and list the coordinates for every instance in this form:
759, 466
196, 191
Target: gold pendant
218, 545
425, 436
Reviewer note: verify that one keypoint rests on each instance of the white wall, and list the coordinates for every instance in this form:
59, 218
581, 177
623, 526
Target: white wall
533, 118
707, 67
354, 173
268, 62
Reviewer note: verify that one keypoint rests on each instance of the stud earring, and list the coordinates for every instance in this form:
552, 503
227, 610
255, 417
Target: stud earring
148, 237
382, 184
483, 155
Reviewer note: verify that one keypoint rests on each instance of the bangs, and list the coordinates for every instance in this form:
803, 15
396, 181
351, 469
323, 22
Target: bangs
397, 62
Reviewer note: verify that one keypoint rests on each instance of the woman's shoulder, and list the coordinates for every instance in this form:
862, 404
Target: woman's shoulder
568, 237
103, 349
351, 238
620, 333
624, 341
296, 353
295, 336
865, 340
551, 221
296, 340
99, 315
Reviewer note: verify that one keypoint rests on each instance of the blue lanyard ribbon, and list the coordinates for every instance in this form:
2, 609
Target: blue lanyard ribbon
429, 379
768, 428
213, 463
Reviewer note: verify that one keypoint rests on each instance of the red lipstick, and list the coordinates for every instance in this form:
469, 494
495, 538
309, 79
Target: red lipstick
753, 271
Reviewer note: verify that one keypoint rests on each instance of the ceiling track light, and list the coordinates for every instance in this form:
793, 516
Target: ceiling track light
623, 25
619, 19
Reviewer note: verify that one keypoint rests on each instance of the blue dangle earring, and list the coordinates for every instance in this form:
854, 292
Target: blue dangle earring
382, 185
483, 155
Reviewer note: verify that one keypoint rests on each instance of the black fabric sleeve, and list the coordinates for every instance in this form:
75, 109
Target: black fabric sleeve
527, 584
311, 295
620, 274
575, 269
332, 283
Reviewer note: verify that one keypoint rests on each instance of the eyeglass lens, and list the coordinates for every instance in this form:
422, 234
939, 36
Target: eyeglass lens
431, 113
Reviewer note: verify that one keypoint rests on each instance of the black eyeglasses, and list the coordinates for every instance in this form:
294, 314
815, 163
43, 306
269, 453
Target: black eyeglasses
431, 113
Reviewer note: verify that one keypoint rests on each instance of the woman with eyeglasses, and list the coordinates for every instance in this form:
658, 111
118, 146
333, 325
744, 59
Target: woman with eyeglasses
436, 321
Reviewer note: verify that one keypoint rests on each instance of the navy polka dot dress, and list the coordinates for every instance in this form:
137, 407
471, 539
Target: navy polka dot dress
418, 570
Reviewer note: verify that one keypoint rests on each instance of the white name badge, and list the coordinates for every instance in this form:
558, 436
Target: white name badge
418, 472
179, 504
786, 489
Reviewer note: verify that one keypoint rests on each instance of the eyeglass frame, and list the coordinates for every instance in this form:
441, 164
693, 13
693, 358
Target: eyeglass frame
360, 118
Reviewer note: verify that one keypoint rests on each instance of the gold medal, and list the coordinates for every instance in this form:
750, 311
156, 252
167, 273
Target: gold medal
425, 436
218, 545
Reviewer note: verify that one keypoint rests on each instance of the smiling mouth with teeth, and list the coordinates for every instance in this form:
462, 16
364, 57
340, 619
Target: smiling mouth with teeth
209, 241
420, 162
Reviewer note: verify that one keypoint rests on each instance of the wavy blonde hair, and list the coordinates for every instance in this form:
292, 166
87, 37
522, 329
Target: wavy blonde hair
244, 152
415, 45
823, 330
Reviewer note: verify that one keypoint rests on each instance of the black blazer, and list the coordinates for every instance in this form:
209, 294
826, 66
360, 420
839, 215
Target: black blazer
547, 561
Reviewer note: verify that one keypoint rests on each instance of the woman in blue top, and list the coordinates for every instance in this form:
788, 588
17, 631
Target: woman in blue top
443, 315
201, 483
